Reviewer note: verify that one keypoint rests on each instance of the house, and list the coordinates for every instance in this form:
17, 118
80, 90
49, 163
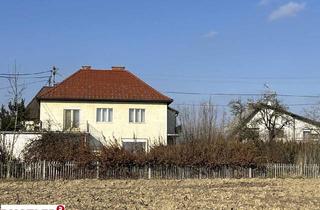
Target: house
267, 122
111, 105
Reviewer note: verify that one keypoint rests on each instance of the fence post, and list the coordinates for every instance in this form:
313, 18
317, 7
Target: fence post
250, 172
44, 170
98, 167
149, 172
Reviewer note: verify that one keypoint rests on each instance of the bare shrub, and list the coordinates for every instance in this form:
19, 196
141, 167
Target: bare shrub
200, 122
115, 155
214, 153
59, 147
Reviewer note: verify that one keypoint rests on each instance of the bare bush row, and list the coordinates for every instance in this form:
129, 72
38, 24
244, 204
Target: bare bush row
215, 152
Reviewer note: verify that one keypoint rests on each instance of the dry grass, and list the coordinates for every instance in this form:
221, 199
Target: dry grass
167, 194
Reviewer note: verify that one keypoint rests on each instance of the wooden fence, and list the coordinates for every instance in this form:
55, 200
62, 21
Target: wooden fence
70, 170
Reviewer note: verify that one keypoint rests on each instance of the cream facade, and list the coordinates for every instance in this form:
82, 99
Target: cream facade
152, 131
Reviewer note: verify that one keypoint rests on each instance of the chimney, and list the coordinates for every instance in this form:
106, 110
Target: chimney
118, 68
86, 67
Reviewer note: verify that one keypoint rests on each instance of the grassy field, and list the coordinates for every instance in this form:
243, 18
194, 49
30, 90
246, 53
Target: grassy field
166, 194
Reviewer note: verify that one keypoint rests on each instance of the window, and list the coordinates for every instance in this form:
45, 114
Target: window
249, 133
137, 115
279, 133
104, 115
71, 118
134, 145
306, 135
311, 135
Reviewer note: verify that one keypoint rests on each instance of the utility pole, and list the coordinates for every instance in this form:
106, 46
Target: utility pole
52, 78
54, 72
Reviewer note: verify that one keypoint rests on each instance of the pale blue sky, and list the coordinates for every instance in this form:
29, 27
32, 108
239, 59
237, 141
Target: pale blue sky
191, 46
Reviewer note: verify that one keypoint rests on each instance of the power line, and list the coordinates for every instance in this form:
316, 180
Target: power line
23, 74
29, 83
184, 77
240, 94
28, 77
226, 105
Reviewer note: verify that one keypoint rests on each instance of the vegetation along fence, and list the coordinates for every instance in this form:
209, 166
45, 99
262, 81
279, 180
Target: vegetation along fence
70, 170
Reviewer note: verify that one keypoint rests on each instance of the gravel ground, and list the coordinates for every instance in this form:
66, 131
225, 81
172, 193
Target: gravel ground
167, 194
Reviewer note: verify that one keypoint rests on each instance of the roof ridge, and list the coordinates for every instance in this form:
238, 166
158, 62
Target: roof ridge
260, 106
294, 115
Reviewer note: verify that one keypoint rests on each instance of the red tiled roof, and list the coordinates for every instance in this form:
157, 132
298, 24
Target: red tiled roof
43, 90
104, 85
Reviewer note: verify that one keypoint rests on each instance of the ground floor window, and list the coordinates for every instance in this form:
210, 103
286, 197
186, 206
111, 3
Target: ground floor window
134, 145
171, 140
309, 134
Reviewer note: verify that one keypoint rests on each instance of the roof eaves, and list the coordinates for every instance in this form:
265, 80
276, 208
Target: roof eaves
106, 100
293, 115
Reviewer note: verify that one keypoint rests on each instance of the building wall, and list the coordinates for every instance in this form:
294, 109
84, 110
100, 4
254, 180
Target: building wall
17, 141
292, 131
154, 129
172, 121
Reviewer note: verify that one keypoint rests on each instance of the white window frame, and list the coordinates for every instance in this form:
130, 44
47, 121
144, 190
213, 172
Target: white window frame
136, 140
107, 115
72, 113
137, 115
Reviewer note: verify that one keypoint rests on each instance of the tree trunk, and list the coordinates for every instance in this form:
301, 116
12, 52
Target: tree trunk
271, 135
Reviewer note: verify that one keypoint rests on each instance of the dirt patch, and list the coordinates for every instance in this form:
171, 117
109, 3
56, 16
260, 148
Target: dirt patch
166, 194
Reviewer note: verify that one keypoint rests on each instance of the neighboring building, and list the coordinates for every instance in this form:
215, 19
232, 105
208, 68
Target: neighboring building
288, 126
112, 105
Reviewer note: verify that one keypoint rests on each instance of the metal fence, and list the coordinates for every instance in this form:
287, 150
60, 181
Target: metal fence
45, 170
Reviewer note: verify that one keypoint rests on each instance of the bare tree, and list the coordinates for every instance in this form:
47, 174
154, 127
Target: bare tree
313, 112
199, 122
238, 108
15, 97
271, 115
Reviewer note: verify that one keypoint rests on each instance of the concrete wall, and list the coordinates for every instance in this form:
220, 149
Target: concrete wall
17, 141
154, 129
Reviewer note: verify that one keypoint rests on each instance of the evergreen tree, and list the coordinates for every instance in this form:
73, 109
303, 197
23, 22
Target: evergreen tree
7, 116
